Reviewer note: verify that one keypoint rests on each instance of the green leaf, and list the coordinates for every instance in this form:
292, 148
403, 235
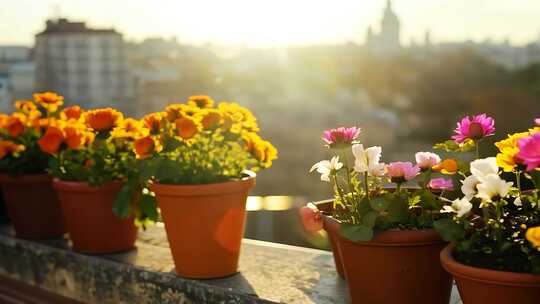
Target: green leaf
356, 233
449, 230
364, 206
370, 219
398, 210
148, 207
379, 204
430, 200
122, 202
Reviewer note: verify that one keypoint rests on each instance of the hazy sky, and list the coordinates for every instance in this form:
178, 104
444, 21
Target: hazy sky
278, 22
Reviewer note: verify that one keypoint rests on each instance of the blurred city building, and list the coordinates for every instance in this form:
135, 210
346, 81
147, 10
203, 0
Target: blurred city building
387, 41
85, 65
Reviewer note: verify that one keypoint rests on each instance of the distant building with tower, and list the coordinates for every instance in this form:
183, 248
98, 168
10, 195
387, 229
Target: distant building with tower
86, 65
387, 41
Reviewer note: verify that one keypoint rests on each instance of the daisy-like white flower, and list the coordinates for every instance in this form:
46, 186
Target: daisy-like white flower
483, 167
326, 167
492, 187
469, 186
368, 160
459, 206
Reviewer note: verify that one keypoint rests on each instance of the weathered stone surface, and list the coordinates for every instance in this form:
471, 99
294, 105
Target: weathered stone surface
269, 273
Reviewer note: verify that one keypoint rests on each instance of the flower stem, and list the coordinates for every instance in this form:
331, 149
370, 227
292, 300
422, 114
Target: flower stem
366, 185
518, 182
477, 145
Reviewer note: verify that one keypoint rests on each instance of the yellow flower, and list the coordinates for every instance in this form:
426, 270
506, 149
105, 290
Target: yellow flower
210, 119
103, 119
262, 150
25, 106
129, 128
9, 147
533, 236
509, 149
186, 127
49, 100
236, 114
154, 121
200, 101
73, 112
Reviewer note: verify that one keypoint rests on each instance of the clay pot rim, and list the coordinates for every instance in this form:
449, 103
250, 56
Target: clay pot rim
484, 275
231, 186
76, 186
25, 178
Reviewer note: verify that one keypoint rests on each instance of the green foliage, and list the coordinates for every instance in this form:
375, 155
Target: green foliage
356, 232
30, 161
452, 146
449, 230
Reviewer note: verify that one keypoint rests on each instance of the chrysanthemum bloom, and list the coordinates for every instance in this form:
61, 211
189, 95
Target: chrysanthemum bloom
400, 172
311, 218
153, 121
211, 119
265, 153
441, 184
51, 141
474, 128
186, 127
9, 147
341, 137
533, 236
49, 100
426, 160
15, 125
73, 112
529, 151
25, 106
201, 101
103, 119
144, 147
447, 166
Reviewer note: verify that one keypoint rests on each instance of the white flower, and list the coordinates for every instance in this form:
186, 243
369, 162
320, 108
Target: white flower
518, 202
368, 160
426, 160
469, 186
459, 206
492, 186
483, 167
326, 167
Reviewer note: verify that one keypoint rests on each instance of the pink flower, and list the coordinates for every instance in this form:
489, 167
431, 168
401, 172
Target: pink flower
537, 121
400, 172
529, 151
474, 128
426, 160
342, 135
441, 184
311, 218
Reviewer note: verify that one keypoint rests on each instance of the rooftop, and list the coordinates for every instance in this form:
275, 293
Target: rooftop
64, 26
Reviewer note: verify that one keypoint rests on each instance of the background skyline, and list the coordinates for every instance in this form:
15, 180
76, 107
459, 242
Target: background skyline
278, 23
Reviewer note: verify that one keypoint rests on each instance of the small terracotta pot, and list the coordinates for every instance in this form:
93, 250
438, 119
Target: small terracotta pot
32, 206
331, 226
396, 267
478, 285
205, 225
91, 224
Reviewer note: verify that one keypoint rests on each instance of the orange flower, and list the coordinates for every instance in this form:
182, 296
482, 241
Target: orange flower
51, 140
25, 106
15, 125
186, 127
211, 119
73, 112
129, 128
7, 147
49, 100
103, 119
153, 121
200, 101
144, 147
265, 152
447, 166
74, 138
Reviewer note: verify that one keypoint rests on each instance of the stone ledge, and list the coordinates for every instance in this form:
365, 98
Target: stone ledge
269, 273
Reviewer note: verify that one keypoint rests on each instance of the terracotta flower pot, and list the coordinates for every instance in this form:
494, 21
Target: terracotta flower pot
205, 225
33, 206
91, 224
396, 267
331, 226
478, 285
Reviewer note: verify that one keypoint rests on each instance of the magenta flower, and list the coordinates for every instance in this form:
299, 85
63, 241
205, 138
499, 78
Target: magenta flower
341, 136
311, 218
400, 172
529, 151
441, 184
474, 128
